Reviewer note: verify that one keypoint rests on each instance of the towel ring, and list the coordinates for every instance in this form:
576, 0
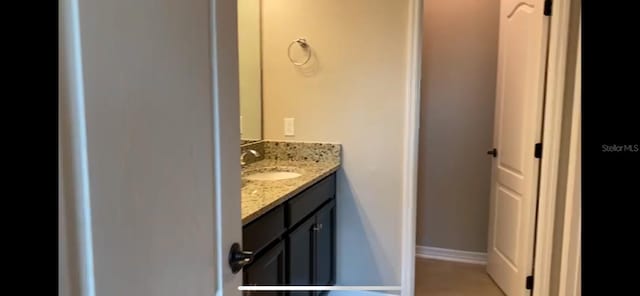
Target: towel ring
303, 43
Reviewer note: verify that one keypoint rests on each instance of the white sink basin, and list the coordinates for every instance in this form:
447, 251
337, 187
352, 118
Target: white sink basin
272, 176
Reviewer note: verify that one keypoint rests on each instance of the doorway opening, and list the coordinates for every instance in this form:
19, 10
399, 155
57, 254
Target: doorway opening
480, 157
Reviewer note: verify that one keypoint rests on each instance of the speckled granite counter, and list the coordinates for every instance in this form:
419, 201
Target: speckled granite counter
313, 161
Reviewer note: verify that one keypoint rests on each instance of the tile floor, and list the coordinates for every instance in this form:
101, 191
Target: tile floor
444, 278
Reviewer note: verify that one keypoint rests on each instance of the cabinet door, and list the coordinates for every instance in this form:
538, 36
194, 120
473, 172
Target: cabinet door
300, 259
267, 270
325, 245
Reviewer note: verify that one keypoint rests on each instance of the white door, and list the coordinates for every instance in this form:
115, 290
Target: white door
517, 128
149, 147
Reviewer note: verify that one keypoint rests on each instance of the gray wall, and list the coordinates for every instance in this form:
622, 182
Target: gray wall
458, 91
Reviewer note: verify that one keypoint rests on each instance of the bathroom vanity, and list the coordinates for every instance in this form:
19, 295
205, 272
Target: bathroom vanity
289, 215
294, 243
288, 188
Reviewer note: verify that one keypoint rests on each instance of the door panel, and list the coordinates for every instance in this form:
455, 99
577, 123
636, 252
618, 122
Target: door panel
156, 117
508, 209
518, 123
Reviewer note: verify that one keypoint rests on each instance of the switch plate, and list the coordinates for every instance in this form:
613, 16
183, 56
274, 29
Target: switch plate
241, 124
289, 127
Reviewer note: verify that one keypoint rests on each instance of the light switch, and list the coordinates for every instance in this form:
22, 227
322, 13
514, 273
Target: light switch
289, 127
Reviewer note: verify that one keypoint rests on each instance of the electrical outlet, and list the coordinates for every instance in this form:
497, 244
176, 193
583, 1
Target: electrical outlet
289, 127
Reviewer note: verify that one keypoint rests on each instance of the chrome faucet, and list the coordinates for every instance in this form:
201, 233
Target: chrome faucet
242, 156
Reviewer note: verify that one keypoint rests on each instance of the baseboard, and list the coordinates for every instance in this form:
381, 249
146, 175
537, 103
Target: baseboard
358, 293
451, 255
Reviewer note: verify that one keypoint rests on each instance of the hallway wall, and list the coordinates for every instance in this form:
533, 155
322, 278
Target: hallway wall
460, 49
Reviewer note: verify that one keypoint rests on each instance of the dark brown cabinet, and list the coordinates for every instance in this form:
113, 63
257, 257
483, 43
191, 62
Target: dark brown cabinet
303, 254
300, 259
311, 251
268, 269
325, 253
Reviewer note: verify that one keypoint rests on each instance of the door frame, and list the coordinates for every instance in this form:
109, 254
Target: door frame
75, 261
411, 147
552, 136
226, 128
570, 275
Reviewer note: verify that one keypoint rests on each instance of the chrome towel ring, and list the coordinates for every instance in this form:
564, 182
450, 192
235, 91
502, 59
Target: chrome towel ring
303, 43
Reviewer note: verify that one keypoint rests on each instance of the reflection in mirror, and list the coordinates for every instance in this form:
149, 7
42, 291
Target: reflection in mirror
249, 59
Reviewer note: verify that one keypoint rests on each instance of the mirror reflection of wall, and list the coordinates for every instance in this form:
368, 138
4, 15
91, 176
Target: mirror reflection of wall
250, 70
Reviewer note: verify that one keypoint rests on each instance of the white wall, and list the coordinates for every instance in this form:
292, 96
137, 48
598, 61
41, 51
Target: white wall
249, 66
149, 114
353, 92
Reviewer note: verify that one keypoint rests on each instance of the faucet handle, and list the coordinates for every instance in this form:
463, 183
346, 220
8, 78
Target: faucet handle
243, 154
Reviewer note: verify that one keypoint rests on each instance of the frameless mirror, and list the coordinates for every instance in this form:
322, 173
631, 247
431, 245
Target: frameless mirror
250, 70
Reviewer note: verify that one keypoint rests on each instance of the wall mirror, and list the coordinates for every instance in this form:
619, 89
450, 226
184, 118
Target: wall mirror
250, 70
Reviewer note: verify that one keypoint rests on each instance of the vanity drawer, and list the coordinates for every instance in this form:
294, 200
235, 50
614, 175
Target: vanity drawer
310, 199
263, 230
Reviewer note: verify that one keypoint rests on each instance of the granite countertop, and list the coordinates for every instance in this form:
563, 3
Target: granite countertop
258, 197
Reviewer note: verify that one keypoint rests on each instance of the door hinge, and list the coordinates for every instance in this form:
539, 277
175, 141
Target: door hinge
538, 150
529, 283
547, 7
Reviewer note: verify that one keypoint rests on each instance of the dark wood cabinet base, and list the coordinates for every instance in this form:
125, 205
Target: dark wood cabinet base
295, 242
